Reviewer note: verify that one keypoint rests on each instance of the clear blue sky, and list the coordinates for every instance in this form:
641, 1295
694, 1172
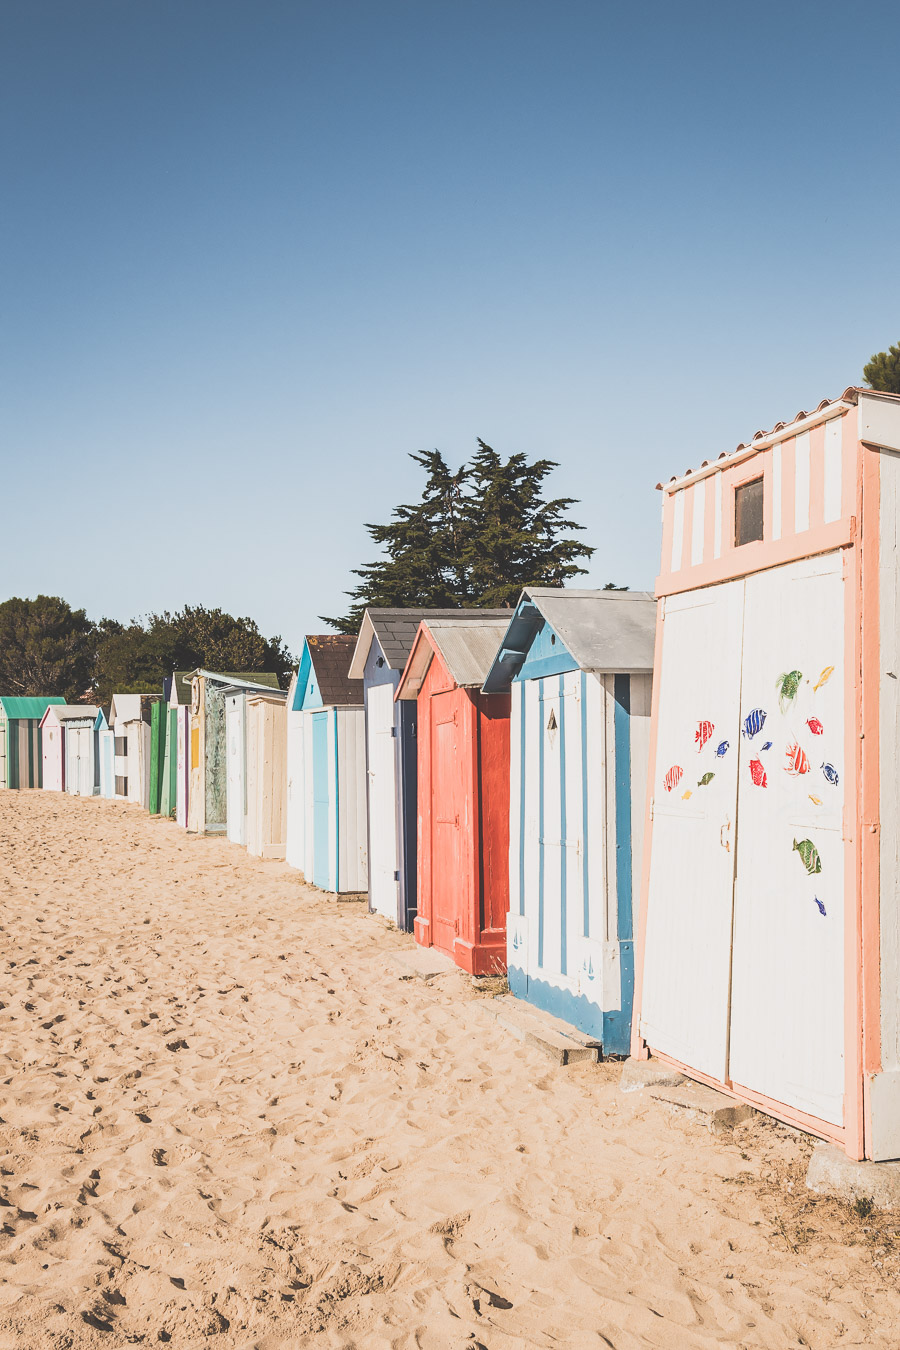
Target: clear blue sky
253, 252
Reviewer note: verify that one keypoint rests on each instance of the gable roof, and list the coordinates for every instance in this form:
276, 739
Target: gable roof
131, 707
28, 707
180, 685
73, 711
608, 631
329, 655
466, 645
396, 631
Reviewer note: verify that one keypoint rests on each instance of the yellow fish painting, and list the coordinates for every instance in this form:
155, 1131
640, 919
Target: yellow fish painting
817, 801
824, 678
686, 795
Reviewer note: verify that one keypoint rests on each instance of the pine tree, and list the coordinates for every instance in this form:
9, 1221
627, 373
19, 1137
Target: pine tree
882, 371
477, 537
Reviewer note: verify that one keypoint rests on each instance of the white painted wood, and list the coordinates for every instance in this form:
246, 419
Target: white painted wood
879, 421
266, 727
308, 798
295, 802
833, 469
889, 741
182, 742
548, 933
235, 769
641, 694
717, 489
531, 841
573, 838
351, 821
678, 531
787, 1010
516, 788
777, 480
688, 940
384, 885
79, 761
801, 482
698, 522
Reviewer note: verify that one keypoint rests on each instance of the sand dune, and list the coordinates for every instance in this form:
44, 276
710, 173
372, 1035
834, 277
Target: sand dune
225, 1114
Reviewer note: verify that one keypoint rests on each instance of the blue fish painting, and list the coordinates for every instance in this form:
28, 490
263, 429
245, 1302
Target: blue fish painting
767, 746
722, 749
819, 903
831, 774
754, 723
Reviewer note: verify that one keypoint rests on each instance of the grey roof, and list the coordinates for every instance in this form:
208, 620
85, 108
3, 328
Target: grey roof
181, 680
72, 711
467, 646
608, 631
396, 632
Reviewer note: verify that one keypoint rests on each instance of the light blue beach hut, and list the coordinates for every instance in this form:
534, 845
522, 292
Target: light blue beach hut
578, 664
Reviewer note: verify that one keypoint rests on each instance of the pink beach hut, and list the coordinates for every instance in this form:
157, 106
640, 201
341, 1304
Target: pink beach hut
767, 957
53, 749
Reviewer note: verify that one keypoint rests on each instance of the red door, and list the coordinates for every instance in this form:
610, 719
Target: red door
448, 884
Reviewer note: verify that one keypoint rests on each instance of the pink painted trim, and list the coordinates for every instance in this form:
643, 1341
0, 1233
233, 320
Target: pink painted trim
757, 557
817, 477
638, 1047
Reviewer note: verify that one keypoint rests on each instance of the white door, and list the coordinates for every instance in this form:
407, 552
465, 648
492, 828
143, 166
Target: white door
383, 864
84, 761
787, 1009
295, 805
687, 955
235, 770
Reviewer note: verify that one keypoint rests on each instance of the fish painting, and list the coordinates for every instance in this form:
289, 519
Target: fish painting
787, 686
705, 780
703, 734
819, 903
758, 773
754, 723
767, 746
823, 678
816, 801
831, 774
815, 726
673, 777
809, 856
797, 761
722, 749
686, 795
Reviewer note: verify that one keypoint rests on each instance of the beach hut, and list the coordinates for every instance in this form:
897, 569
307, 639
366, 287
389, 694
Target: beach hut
382, 649
105, 750
53, 750
463, 789
129, 718
182, 764
327, 824
20, 740
294, 803
768, 955
159, 729
265, 777
577, 664
168, 785
207, 801
82, 764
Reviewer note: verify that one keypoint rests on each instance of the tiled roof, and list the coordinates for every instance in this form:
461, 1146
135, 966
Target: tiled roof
849, 396
330, 654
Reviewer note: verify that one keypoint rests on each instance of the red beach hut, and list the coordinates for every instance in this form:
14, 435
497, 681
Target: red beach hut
463, 789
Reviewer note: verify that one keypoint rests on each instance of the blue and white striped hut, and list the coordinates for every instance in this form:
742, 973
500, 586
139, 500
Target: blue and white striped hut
578, 664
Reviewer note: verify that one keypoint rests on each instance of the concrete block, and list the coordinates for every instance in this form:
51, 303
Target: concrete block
831, 1172
638, 1074
562, 1043
696, 1101
422, 963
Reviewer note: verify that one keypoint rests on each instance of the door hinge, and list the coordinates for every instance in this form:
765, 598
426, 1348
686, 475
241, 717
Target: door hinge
396, 876
393, 731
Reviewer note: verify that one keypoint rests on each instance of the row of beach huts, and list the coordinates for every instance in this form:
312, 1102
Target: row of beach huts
673, 820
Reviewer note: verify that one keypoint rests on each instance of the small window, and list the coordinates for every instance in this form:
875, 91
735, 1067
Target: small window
121, 745
748, 512
121, 786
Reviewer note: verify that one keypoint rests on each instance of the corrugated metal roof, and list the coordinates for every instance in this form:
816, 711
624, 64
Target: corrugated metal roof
181, 680
611, 632
73, 711
850, 396
26, 708
330, 654
396, 632
468, 647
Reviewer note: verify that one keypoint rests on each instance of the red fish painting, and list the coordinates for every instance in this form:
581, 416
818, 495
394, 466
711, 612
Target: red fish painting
758, 773
703, 734
815, 726
797, 762
673, 777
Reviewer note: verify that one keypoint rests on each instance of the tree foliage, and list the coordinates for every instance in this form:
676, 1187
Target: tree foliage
476, 538
46, 647
882, 371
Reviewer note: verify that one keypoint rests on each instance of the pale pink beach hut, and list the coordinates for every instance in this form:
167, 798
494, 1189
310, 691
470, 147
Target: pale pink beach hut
53, 749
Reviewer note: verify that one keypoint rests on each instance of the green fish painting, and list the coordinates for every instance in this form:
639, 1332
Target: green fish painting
809, 856
705, 780
787, 686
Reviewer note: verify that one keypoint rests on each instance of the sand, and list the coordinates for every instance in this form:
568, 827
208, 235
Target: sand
228, 1118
